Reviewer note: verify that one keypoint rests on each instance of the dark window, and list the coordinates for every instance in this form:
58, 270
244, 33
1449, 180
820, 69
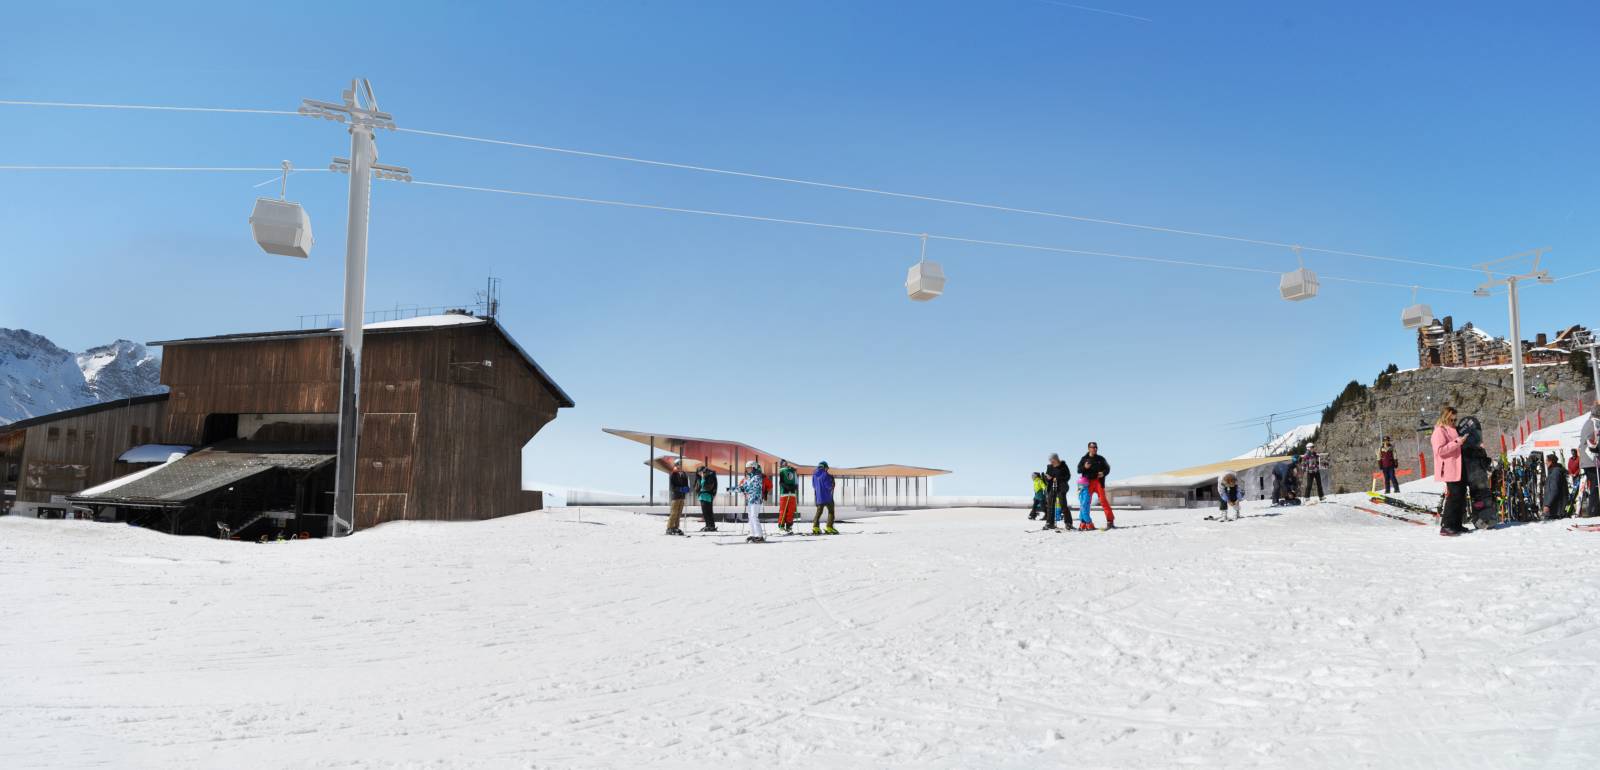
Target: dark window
53, 434
88, 434
72, 433
144, 435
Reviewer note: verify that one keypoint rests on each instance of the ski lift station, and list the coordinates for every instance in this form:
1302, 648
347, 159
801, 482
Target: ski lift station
243, 444
1194, 487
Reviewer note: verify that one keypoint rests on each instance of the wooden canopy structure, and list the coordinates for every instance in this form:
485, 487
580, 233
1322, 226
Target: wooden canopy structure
881, 485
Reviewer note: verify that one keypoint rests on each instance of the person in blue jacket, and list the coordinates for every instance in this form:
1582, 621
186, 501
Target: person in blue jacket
822, 492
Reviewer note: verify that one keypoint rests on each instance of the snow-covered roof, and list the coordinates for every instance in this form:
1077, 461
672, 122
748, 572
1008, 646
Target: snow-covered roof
1562, 436
154, 453
1190, 477
448, 319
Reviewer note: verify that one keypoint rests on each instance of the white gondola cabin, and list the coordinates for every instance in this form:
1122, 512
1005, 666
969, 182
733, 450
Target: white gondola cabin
281, 227
924, 281
1416, 316
1297, 285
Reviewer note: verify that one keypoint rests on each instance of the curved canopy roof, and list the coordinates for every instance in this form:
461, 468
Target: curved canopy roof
724, 456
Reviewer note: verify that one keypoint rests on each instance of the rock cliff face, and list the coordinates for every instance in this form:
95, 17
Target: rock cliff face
1396, 404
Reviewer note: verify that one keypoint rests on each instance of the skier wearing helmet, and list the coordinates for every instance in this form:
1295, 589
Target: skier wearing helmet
1311, 466
753, 487
822, 491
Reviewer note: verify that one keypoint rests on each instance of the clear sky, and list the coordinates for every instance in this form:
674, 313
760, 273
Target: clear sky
1444, 132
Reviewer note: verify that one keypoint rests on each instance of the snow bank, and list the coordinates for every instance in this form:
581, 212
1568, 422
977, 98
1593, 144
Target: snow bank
1313, 637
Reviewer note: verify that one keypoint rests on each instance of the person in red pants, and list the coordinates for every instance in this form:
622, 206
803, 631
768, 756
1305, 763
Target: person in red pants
788, 495
1093, 466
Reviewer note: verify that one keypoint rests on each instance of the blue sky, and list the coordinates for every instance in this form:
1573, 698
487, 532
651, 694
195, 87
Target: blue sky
1443, 132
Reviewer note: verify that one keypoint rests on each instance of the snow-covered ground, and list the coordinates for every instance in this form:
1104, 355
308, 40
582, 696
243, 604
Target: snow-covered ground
1309, 637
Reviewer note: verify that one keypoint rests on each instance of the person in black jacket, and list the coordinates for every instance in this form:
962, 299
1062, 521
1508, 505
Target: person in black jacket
706, 490
1094, 468
1057, 478
1555, 487
678, 485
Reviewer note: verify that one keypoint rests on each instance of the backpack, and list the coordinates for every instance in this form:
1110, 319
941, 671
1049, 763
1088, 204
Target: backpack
766, 485
1471, 430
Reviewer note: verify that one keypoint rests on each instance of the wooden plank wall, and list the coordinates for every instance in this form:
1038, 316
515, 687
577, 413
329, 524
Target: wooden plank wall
72, 454
442, 433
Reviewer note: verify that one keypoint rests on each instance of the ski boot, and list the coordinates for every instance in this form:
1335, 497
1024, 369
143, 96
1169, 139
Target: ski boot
830, 531
754, 539
709, 528
1084, 526
816, 529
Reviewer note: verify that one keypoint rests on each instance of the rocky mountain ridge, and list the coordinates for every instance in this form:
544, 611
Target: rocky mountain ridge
38, 377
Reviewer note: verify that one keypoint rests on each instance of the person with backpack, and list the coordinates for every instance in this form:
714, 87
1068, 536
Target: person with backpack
822, 492
1038, 496
1387, 465
1094, 467
1057, 478
1446, 443
1230, 494
706, 491
678, 488
1311, 466
1554, 504
788, 495
754, 488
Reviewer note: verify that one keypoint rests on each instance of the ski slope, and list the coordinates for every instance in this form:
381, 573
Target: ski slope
1304, 637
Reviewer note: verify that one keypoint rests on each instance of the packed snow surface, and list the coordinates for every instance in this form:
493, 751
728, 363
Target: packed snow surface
1318, 636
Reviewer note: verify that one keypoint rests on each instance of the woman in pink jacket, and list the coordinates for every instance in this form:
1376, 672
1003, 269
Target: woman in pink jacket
1447, 468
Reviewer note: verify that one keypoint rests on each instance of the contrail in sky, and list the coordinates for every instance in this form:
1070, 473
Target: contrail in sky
1096, 10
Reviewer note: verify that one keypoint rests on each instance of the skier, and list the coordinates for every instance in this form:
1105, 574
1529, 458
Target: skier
1555, 488
1038, 496
1574, 465
822, 492
752, 487
788, 495
1085, 497
706, 487
1588, 450
1446, 444
1387, 464
1231, 495
1056, 475
1311, 466
1094, 467
678, 487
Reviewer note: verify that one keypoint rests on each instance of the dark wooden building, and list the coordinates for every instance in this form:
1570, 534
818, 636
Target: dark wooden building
44, 459
447, 404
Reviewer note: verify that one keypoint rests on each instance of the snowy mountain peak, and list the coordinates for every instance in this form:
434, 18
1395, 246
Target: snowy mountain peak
120, 370
1282, 443
39, 377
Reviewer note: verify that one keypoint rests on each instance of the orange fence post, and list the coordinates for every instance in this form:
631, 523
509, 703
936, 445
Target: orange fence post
1422, 462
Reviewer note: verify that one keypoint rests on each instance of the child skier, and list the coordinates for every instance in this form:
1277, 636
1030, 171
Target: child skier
752, 487
788, 495
1231, 494
1085, 496
1038, 496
